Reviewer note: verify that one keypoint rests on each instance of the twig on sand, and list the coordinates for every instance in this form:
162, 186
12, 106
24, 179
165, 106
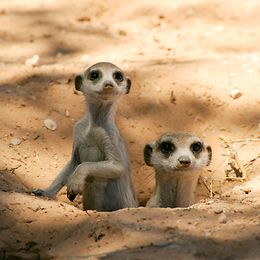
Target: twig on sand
233, 161
11, 169
246, 165
209, 188
247, 140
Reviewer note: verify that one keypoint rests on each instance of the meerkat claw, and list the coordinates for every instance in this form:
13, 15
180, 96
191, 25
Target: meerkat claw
71, 197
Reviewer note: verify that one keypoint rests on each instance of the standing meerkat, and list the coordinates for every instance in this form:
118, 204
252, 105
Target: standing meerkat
177, 159
99, 167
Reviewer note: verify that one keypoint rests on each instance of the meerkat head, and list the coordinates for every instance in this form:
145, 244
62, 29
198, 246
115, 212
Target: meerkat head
103, 81
177, 151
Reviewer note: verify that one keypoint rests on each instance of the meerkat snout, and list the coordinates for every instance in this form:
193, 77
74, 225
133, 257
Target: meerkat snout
184, 162
108, 86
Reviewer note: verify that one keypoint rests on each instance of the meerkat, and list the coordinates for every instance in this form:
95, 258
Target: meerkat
177, 159
99, 167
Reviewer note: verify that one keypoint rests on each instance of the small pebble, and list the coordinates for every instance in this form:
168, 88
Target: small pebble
33, 61
67, 113
235, 93
15, 141
85, 58
50, 124
218, 211
222, 218
255, 57
158, 89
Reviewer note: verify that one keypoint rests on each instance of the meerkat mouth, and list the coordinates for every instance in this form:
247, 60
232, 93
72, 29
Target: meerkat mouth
103, 95
183, 166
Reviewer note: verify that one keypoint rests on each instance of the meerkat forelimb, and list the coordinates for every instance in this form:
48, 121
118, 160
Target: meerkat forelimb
177, 159
99, 167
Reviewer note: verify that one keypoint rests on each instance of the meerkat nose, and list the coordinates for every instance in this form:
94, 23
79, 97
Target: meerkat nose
184, 161
108, 86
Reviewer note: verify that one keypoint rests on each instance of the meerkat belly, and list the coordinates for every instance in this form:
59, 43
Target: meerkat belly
102, 195
91, 154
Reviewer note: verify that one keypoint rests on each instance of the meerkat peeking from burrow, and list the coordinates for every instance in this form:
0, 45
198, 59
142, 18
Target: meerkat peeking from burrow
99, 167
177, 159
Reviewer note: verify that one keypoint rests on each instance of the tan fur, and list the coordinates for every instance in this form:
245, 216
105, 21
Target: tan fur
99, 167
176, 171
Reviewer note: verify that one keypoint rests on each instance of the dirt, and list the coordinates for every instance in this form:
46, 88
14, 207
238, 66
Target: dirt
186, 59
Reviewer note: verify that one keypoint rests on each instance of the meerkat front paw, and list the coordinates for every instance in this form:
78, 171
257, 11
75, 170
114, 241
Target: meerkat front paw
75, 186
43, 193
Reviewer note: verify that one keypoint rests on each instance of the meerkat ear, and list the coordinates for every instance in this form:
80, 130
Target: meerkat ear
128, 85
209, 154
148, 150
78, 82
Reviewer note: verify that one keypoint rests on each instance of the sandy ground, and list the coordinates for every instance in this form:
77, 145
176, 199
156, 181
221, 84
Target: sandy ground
199, 50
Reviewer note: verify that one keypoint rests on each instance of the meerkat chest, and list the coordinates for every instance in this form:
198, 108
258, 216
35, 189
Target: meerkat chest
177, 191
93, 145
90, 153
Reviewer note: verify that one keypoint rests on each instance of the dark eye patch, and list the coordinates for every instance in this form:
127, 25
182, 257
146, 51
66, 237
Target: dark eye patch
167, 147
94, 74
118, 76
196, 147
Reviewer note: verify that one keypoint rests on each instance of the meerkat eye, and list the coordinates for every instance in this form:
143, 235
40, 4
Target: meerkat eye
196, 147
167, 147
118, 76
94, 74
